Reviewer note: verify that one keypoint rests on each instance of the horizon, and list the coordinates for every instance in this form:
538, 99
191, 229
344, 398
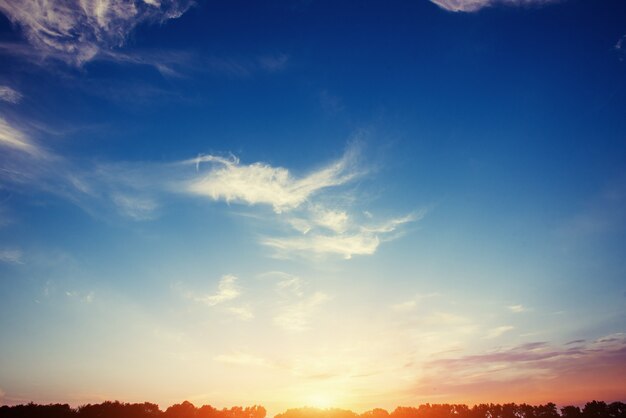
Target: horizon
298, 202
594, 408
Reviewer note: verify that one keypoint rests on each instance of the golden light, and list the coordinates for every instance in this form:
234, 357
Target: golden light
321, 400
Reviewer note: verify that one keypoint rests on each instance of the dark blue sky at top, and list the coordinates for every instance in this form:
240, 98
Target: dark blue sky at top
507, 100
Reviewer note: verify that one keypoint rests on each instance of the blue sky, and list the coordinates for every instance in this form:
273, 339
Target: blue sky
303, 202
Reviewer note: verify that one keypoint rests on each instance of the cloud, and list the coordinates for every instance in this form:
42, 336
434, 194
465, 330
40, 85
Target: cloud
15, 139
498, 331
242, 312
289, 285
410, 305
10, 95
261, 183
620, 43
531, 364
517, 308
302, 203
75, 31
295, 304
227, 290
475, 5
136, 208
359, 240
10, 256
344, 245
180, 63
297, 316
82, 297
307, 219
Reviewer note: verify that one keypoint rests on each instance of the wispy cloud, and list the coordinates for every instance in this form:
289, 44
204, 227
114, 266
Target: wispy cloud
260, 183
297, 316
344, 245
14, 138
411, 304
227, 290
242, 312
296, 305
226, 299
498, 331
311, 214
10, 256
10, 95
76, 31
357, 240
182, 63
87, 297
289, 285
620, 43
532, 364
137, 208
475, 5
517, 308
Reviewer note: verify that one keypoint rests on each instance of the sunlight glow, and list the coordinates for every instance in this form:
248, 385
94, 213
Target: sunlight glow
321, 400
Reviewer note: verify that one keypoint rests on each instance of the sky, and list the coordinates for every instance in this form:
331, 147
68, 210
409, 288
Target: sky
355, 204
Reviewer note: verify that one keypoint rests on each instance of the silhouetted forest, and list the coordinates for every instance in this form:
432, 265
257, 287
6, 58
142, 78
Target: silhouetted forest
594, 409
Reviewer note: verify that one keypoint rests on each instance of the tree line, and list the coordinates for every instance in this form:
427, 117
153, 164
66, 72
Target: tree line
593, 409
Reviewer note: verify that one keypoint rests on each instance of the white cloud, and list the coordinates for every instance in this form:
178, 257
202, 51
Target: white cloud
82, 297
517, 308
136, 208
474, 5
319, 216
407, 306
11, 256
344, 245
76, 30
311, 219
290, 285
295, 305
411, 304
10, 95
14, 138
335, 220
242, 312
297, 316
360, 240
260, 183
227, 290
498, 331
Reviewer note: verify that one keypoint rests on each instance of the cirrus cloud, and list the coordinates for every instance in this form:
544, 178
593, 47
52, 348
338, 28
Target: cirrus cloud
260, 183
8, 94
475, 5
76, 30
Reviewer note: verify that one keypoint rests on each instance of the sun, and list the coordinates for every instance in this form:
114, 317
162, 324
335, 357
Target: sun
321, 400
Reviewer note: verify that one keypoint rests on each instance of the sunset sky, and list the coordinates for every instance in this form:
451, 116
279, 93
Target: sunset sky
306, 202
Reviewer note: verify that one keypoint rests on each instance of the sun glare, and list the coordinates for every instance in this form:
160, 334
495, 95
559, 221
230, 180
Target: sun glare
321, 400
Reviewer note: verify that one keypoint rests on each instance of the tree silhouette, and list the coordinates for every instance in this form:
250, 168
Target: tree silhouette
116, 409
